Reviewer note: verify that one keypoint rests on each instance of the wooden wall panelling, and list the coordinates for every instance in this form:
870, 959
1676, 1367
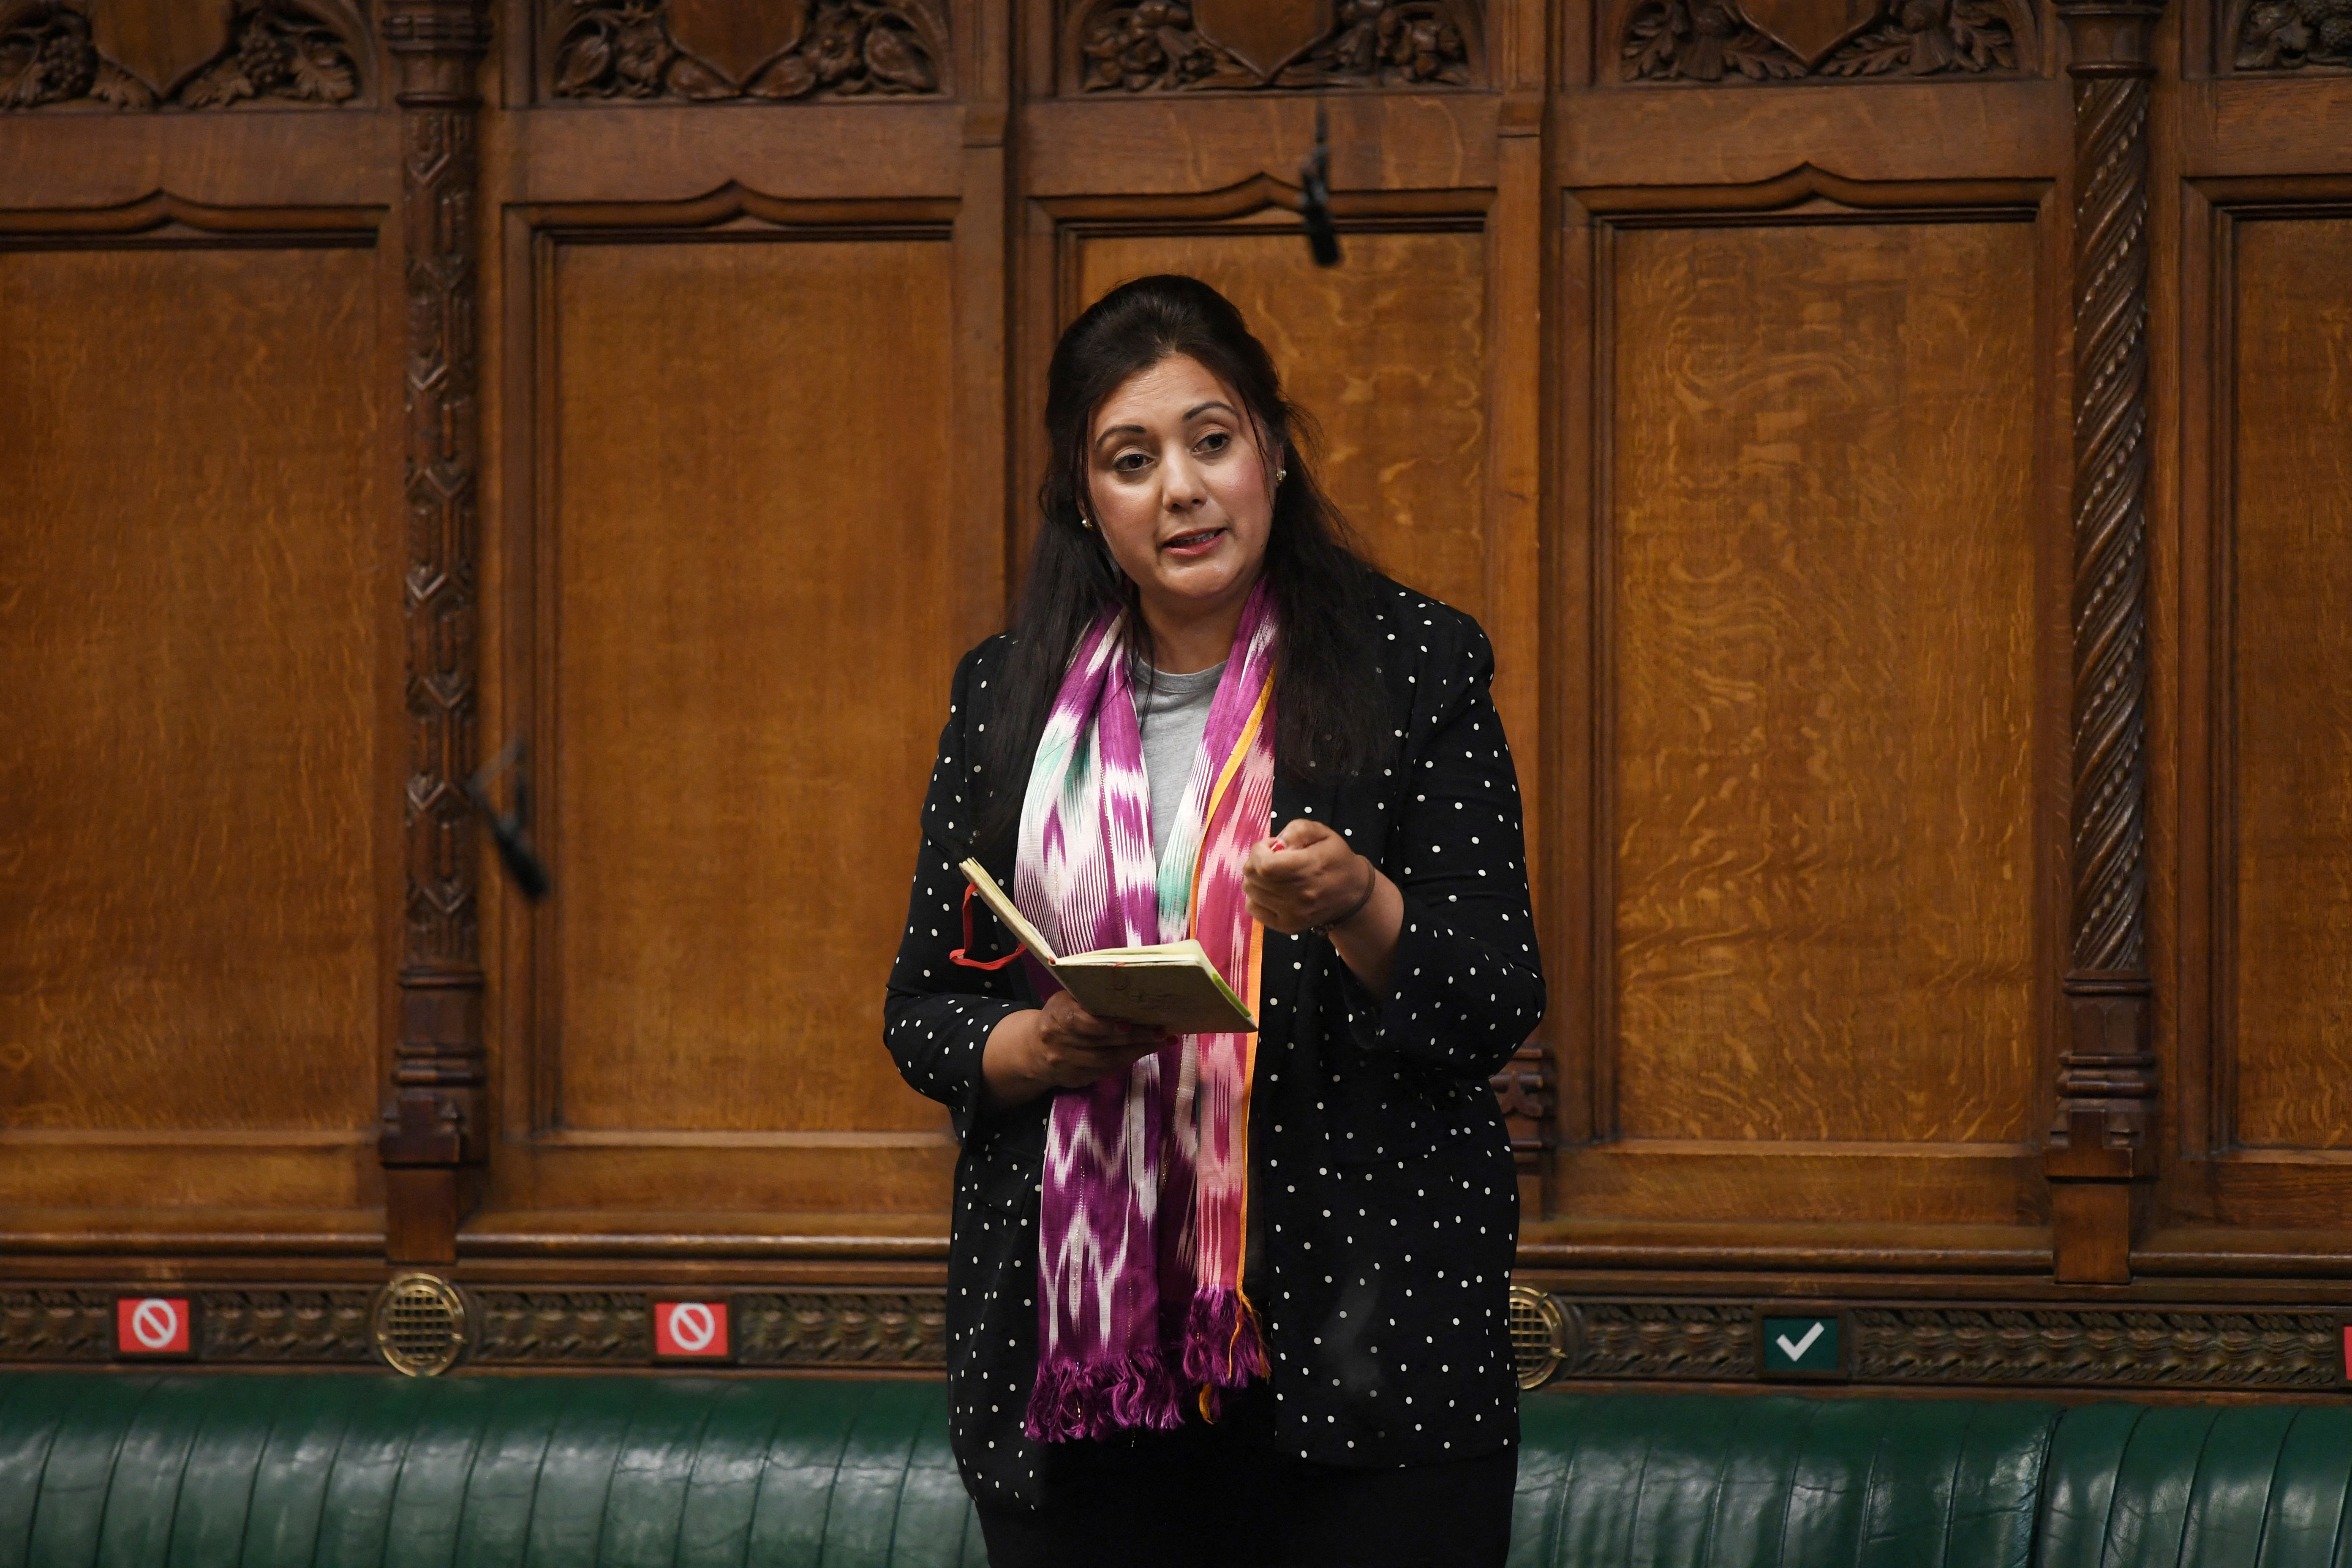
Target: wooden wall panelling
704, 1008
2261, 1137
2101, 1153
1898, 299
751, 404
198, 645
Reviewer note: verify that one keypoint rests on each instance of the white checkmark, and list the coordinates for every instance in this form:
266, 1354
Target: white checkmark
1796, 1350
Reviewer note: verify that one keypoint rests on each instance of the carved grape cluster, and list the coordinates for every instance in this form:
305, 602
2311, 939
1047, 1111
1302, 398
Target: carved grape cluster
1922, 37
47, 58
1150, 45
625, 48
1702, 41
1156, 46
274, 50
1713, 40
2287, 35
1416, 42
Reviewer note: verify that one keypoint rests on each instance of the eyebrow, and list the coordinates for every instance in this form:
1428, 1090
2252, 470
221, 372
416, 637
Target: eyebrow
1190, 414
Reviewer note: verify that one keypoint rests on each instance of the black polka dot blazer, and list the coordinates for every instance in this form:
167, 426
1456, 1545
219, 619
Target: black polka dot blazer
1383, 1209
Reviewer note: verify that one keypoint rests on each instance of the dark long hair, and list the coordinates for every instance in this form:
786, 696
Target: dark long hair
1330, 710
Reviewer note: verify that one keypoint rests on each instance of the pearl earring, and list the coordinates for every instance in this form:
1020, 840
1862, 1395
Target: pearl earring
1280, 475
1086, 523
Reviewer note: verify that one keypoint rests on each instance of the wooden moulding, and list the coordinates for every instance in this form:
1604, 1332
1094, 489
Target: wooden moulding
433, 1129
2160, 1349
557, 1326
2099, 1157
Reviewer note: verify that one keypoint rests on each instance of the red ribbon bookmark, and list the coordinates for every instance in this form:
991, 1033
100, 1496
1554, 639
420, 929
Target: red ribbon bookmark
958, 955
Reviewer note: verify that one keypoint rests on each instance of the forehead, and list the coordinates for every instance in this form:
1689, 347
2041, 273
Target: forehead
1162, 394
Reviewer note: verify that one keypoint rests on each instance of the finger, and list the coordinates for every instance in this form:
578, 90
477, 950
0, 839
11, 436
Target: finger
1073, 1016
1081, 1067
1282, 917
1279, 871
1304, 832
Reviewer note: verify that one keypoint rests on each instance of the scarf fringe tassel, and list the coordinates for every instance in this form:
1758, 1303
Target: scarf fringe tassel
1095, 1399
1223, 1347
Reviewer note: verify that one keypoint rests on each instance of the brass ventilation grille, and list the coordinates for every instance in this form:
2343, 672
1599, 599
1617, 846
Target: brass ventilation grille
420, 1324
1536, 1329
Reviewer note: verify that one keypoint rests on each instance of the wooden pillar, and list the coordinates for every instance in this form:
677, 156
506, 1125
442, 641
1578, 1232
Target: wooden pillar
433, 1127
2100, 1157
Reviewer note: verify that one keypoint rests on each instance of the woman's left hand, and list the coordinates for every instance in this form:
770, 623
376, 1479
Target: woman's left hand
1305, 877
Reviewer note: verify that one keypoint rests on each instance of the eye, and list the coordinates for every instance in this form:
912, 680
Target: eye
1213, 443
1129, 462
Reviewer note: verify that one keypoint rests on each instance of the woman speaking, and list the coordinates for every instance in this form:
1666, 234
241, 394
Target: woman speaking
1234, 1297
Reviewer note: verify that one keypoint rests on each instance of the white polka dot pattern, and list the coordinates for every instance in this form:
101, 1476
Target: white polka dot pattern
1383, 1202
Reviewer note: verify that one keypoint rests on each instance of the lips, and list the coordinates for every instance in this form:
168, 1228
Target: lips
1191, 543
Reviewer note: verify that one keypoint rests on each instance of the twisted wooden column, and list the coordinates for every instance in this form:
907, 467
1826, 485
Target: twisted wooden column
2099, 1155
434, 1131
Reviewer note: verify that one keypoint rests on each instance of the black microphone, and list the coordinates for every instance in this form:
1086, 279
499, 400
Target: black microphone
1314, 195
511, 832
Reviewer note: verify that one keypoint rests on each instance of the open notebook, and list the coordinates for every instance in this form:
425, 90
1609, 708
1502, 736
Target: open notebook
1172, 985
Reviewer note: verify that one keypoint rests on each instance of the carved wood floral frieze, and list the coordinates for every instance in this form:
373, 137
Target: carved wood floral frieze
1172, 45
2292, 34
1788, 40
640, 49
275, 52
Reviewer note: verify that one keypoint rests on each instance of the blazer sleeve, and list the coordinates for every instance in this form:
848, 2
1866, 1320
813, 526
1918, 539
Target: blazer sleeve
1466, 987
938, 1015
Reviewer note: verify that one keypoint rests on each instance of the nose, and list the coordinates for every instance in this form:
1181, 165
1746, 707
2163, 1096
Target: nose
1181, 488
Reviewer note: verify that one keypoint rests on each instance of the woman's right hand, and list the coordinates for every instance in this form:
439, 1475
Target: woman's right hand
1060, 1046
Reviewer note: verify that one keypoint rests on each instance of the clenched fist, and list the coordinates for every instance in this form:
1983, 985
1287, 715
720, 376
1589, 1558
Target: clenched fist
1306, 877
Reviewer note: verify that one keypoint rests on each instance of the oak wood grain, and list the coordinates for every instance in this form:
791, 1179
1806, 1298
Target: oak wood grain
197, 588
2292, 562
750, 662
1822, 609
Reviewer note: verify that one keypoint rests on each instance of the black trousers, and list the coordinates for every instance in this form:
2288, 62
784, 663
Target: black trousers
1224, 1495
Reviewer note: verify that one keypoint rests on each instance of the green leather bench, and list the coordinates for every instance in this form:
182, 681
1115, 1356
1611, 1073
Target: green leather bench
337, 1470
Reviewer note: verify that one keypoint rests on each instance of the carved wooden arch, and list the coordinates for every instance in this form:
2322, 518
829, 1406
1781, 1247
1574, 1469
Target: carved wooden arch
158, 211
735, 201
1807, 184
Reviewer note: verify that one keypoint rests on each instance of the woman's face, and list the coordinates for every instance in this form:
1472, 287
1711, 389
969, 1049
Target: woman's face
1179, 487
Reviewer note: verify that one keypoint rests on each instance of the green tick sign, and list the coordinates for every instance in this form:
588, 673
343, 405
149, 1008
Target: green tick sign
1802, 1347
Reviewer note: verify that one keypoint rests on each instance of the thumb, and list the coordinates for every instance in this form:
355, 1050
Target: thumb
1302, 832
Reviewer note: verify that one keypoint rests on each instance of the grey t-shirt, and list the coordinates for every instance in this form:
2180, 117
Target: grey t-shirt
1171, 711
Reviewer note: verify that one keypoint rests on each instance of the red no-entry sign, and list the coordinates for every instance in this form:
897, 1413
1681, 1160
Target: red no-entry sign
151, 1325
692, 1329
